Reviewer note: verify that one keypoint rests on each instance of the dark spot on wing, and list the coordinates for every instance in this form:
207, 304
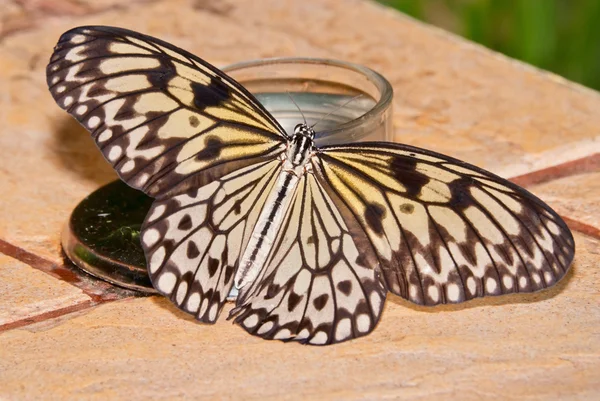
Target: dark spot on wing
405, 171
185, 223
374, 216
272, 291
212, 149
237, 207
293, 301
310, 239
210, 95
320, 301
213, 265
162, 75
194, 122
228, 273
192, 250
345, 287
407, 208
460, 198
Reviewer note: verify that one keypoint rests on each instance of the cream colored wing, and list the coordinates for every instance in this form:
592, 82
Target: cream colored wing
159, 114
192, 241
444, 230
319, 285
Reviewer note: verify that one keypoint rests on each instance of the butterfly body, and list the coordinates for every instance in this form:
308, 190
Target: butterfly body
314, 238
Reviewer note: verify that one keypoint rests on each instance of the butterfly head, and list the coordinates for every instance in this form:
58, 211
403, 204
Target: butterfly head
304, 130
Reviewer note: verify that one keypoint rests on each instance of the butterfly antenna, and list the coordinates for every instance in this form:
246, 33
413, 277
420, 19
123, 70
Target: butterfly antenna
298, 107
336, 109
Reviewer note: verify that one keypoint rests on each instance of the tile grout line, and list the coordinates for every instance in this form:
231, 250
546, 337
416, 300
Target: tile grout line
585, 164
97, 290
49, 315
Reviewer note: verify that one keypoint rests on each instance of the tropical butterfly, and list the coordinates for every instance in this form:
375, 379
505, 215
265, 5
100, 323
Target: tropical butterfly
313, 238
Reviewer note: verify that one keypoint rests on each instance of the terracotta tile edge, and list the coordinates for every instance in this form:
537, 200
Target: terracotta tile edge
99, 291
48, 315
579, 166
583, 228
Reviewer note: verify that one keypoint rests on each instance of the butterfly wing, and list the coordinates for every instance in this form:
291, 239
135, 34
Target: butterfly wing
318, 285
192, 241
159, 114
444, 230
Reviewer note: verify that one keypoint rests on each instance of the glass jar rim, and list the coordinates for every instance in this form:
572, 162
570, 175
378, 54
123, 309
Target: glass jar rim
383, 86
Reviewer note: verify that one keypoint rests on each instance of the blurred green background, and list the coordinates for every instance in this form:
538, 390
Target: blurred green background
562, 36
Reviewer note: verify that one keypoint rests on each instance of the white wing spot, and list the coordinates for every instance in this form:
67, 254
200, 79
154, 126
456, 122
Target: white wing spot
375, 301
303, 334
166, 282
193, 302
114, 153
157, 259
363, 323
212, 314
93, 121
507, 281
433, 293
536, 278
343, 330
54, 80
157, 212
548, 277
105, 135
523, 281
81, 110
78, 39
251, 321
127, 167
453, 292
471, 285
319, 338
283, 334
61, 88
68, 101
412, 291
491, 285
150, 237
265, 328
181, 291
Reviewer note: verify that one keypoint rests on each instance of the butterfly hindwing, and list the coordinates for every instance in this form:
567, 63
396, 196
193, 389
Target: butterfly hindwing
159, 114
321, 284
192, 241
446, 231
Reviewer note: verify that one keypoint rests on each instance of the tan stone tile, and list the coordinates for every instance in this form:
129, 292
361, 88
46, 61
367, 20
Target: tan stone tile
539, 346
576, 197
26, 292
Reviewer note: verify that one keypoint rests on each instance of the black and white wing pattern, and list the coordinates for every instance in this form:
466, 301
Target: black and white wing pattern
159, 114
192, 241
444, 230
321, 284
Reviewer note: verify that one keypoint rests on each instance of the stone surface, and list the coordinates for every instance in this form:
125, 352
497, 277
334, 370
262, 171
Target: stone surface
536, 346
26, 293
451, 96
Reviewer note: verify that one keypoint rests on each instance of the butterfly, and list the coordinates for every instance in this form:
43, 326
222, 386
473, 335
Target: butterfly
312, 237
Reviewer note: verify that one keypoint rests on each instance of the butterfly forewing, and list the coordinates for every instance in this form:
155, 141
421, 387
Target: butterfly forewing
320, 284
159, 114
446, 231
193, 240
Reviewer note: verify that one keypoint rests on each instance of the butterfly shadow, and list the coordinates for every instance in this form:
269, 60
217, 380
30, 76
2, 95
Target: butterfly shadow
76, 151
507, 299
